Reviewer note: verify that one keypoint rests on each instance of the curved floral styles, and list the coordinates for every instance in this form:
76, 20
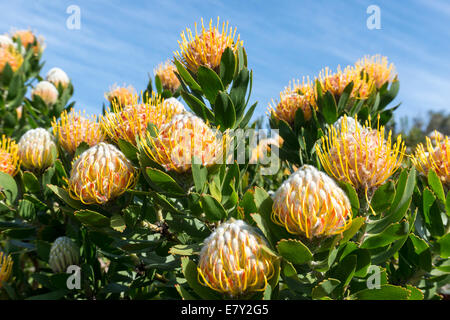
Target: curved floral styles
233, 262
360, 155
205, 48
434, 156
186, 136
100, 174
74, 128
310, 204
9, 157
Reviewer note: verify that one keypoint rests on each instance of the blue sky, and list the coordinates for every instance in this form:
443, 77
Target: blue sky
122, 41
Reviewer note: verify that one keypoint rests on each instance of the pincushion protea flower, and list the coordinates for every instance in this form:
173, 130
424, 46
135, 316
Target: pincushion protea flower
37, 149
166, 73
8, 54
377, 68
310, 204
436, 157
63, 253
100, 174
9, 157
186, 136
27, 38
206, 48
57, 76
122, 96
46, 91
295, 96
74, 128
233, 261
336, 82
360, 155
131, 121
5, 267
5, 41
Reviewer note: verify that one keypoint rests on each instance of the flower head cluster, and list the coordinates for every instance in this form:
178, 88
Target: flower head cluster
63, 253
183, 138
122, 96
37, 149
378, 69
233, 261
28, 39
58, 77
9, 55
100, 174
295, 96
310, 204
166, 73
46, 91
128, 122
435, 156
5, 267
9, 157
74, 128
206, 48
360, 155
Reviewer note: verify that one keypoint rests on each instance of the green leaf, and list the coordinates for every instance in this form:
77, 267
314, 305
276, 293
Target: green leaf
64, 195
294, 251
31, 182
383, 197
386, 292
92, 218
185, 75
185, 249
117, 223
352, 196
82, 147
357, 223
394, 232
227, 66
163, 181
345, 270
328, 108
129, 150
209, 82
324, 288
239, 90
200, 176
415, 293
436, 185
197, 106
8, 186
447, 204
225, 114
214, 211
444, 246
191, 275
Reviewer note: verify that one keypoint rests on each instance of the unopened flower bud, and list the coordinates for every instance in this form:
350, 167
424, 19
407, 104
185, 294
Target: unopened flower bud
37, 149
63, 253
46, 91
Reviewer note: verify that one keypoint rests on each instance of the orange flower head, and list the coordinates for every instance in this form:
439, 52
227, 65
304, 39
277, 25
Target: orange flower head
74, 128
100, 174
9, 55
206, 48
360, 155
123, 96
166, 73
310, 204
378, 69
233, 261
9, 157
28, 39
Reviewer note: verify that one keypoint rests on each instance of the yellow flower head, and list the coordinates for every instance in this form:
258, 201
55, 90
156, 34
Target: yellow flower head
122, 96
436, 157
260, 152
9, 157
5, 267
27, 38
295, 96
336, 82
46, 91
127, 122
186, 136
8, 54
74, 128
206, 48
37, 149
359, 155
100, 174
233, 261
377, 68
310, 204
166, 73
